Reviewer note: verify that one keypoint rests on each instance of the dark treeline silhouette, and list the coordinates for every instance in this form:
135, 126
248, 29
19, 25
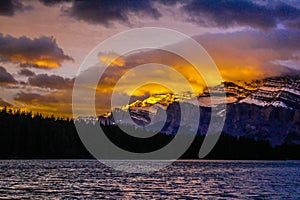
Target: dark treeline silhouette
24, 135
27, 136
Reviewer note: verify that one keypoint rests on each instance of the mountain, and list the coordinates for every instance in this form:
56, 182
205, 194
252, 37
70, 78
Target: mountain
267, 109
161, 99
278, 92
279, 125
234, 92
87, 119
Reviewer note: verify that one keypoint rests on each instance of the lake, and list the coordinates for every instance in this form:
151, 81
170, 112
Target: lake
86, 179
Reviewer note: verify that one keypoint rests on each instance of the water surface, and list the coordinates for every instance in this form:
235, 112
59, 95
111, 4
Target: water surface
86, 179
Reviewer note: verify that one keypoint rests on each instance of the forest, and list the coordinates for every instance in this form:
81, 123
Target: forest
24, 135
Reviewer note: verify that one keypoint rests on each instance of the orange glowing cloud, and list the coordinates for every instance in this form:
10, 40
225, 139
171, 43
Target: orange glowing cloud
112, 59
35, 62
179, 65
42, 52
245, 56
154, 88
58, 103
250, 55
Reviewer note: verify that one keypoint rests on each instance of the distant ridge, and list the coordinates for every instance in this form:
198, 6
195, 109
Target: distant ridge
268, 109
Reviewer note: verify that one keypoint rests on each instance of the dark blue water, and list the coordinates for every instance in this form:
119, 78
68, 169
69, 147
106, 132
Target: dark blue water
36, 179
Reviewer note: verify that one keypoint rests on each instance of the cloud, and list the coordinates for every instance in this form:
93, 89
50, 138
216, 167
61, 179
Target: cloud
214, 13
9, 7
58, 103
42, 52
34, 98
228, 13
113, 74
6, 77
112, 59
4, 103
50, 81
26, 72
53, 2
106, 12
251, 54
291, 64
243, 55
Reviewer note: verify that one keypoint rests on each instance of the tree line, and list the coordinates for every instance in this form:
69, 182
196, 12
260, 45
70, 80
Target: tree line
24, 135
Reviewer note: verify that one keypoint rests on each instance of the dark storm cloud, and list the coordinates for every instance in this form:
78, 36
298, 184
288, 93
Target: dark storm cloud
9, 7
6, 77
34, 98
210, 13
53, 2
4, 103
106, 12
26, 72
51, 81
227, 13
41, 52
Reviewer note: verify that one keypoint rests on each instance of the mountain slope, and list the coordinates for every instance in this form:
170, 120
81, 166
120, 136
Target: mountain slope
268, 110
278, 92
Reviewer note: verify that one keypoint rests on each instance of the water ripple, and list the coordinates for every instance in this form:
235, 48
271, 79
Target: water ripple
87, 179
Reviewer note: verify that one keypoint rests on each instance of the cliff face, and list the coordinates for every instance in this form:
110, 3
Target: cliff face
277, 91
277, 124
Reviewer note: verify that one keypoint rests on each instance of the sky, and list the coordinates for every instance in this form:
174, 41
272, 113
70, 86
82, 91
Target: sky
43, 43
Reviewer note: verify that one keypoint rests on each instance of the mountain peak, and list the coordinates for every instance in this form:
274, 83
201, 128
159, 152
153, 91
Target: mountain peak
161, 99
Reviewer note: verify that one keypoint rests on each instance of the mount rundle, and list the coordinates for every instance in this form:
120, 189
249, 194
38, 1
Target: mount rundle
268, 109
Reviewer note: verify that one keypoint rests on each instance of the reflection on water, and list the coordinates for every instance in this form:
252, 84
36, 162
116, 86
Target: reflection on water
183, 179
